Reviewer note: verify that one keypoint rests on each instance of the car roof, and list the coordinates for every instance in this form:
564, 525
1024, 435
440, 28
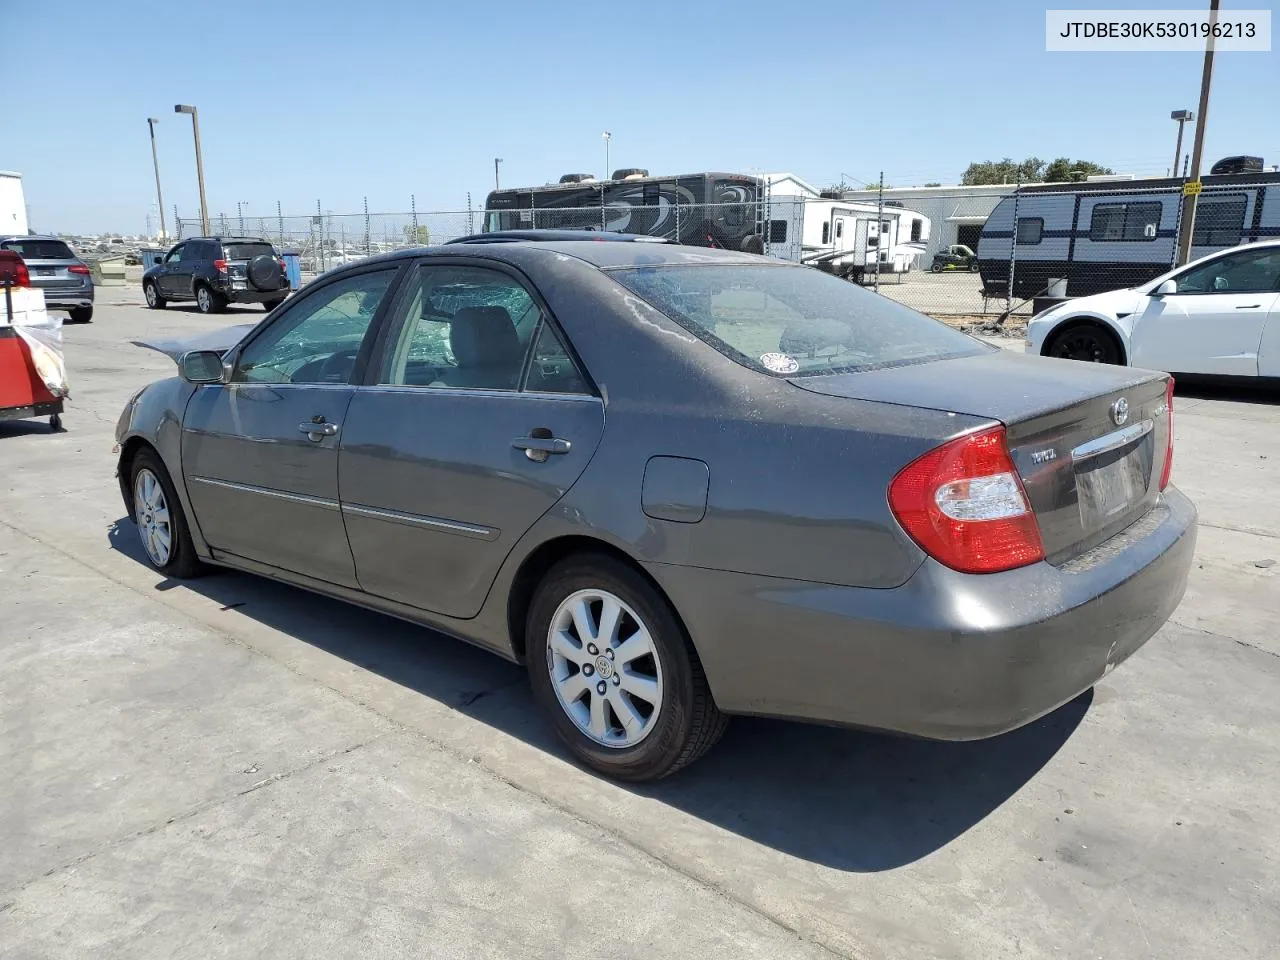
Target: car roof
227, 239
5, 238
601, 255
542, 236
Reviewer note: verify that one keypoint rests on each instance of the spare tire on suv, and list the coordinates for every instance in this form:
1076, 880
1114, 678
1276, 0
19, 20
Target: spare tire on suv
266, 274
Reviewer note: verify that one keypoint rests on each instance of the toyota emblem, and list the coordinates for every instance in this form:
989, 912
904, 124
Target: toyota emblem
1120, 412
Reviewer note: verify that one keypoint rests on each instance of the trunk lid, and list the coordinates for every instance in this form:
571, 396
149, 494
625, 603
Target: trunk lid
1088, 440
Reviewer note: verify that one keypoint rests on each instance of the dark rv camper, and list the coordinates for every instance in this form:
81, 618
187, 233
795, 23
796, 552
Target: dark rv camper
1116, 234
720, 210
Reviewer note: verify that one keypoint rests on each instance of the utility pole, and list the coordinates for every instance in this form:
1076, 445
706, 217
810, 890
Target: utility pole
195, 128
155, 162
607, 137
496, 161
1188, 224
1182, 116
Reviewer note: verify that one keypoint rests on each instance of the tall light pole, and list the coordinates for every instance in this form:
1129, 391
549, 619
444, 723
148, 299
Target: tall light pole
607, 137
1182, 116
496, 161
1188, 224
155, 162
240, 205
195, 128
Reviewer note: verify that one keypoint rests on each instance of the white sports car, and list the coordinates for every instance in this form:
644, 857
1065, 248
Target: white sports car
1218, 316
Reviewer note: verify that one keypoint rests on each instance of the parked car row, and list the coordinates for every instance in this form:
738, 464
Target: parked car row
677, 484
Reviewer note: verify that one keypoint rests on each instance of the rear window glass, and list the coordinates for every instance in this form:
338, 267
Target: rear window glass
793, 321
247, 251
39, 249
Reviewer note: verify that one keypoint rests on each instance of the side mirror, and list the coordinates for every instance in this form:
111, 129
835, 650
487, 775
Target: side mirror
201, 366
1166, 288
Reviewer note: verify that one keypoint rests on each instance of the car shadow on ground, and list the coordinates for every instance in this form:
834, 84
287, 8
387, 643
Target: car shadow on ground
1189, 387
847, 799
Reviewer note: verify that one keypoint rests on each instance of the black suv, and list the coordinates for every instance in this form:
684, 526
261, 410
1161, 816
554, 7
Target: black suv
215, 271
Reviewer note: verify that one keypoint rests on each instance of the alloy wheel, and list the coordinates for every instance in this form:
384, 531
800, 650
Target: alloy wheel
604, 668
152, 296
203, 300
151, 512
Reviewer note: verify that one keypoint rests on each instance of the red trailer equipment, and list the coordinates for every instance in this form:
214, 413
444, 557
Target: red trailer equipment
25, 389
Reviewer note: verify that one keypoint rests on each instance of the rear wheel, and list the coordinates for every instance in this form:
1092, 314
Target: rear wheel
152, 293
270, 305
1085, 341
208, 301
82, 315
973, 266
936, 267
162, 526
611, 665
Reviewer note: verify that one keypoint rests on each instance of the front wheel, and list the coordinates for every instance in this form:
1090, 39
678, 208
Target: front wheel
973, 266
1087, 342
162, 526
611, 665
936, 268
152, 293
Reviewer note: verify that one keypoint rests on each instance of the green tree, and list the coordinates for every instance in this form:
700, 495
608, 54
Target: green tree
1008, 170
1064, 169
933, 184
417, 236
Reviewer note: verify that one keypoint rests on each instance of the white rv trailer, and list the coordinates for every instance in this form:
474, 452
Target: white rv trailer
13, 206
1109, 235
850, 239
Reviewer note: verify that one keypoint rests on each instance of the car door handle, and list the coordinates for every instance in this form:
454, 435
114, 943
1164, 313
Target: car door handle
1248, 306
539, 448
318, 431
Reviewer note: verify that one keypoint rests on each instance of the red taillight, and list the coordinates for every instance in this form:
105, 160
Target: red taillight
964, 504
79, 268
220, 266
283, 269
13, 270
1168, 454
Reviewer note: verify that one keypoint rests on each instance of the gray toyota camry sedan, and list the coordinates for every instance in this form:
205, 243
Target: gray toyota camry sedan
678, 484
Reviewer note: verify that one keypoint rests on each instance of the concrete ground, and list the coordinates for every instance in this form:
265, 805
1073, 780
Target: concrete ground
231, 767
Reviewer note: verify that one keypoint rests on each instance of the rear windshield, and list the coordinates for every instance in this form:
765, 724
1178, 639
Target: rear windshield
793, 321
39, 249
247, 251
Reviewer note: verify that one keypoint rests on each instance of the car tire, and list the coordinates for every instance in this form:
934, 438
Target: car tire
81, 315
209, 300
1088, 342
660, 688
152, 293
936, 268
973, 266
158, 516
270, 305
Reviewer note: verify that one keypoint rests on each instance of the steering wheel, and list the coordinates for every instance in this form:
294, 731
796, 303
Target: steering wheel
339, 365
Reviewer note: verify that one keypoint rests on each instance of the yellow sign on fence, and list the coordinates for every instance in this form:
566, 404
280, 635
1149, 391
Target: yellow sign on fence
1192, 188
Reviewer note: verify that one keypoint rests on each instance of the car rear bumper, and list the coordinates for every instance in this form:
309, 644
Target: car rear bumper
248, 294
67, 297
947, 656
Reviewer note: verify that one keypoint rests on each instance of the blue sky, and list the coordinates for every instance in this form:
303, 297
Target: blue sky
342, 100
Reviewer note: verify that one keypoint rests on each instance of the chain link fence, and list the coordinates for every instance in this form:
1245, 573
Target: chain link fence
980, 255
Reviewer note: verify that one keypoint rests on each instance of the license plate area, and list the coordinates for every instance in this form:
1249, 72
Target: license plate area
45, 271
1112, 476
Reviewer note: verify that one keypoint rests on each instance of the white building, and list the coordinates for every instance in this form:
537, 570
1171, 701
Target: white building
13, 205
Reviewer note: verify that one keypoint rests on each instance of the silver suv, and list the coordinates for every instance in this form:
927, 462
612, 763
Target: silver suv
55, 269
